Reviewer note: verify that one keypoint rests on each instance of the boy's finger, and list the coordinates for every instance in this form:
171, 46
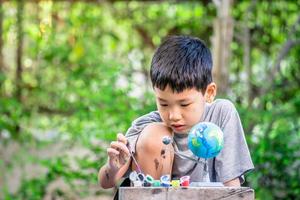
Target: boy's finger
121, 138
112, 152
119, 146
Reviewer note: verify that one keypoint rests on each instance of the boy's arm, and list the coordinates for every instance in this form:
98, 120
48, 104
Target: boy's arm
233, 183
108, 176
117, 164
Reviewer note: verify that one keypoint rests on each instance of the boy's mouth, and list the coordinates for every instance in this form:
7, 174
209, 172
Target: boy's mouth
178, 127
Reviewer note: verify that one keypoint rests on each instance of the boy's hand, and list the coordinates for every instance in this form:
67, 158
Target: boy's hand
118, 152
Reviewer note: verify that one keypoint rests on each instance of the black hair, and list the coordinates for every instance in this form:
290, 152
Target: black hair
181, 62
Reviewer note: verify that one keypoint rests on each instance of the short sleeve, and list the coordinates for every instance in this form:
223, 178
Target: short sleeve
234, 160
138, 125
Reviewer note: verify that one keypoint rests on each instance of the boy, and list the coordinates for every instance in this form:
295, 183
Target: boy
181, 75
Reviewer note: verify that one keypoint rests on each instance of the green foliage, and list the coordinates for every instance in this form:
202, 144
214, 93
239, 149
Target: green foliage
12, 112
272, 119
275, 152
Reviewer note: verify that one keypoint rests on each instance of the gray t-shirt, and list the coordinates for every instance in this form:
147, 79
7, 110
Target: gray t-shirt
233, 161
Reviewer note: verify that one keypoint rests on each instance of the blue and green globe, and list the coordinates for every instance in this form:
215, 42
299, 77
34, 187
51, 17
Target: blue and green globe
205, 140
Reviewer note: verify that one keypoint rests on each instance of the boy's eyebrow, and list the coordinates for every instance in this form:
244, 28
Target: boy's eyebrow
184, 100
181, 100
160, 99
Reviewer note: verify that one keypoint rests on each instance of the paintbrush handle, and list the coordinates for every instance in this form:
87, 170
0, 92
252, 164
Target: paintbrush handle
133, 158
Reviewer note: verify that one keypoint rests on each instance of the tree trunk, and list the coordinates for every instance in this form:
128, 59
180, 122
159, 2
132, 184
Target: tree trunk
247, 53
247, 63
19, 70
221, 40
1, 54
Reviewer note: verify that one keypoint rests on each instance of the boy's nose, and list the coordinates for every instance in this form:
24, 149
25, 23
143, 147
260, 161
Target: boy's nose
174, 115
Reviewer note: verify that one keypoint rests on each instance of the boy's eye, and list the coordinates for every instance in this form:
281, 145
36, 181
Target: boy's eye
163, 105
185, 105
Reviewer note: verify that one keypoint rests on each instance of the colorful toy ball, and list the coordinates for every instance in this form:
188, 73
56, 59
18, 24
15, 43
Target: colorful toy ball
205, 140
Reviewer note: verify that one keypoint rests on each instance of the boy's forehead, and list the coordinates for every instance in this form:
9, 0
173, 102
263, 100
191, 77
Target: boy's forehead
169, 94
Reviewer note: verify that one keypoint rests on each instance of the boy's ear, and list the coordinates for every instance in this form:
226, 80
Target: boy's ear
210, 92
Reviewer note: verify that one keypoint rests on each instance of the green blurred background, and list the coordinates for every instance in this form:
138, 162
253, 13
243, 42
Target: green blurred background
75, 73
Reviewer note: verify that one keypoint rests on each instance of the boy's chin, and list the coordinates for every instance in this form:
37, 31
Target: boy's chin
184, 132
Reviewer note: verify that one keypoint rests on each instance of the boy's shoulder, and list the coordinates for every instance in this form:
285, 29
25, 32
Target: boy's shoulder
145, 119
220, 111
222, 105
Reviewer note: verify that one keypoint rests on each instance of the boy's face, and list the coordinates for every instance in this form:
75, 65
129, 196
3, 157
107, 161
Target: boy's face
180, 111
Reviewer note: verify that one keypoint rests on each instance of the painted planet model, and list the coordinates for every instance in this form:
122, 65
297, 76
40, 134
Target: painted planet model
205, 140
